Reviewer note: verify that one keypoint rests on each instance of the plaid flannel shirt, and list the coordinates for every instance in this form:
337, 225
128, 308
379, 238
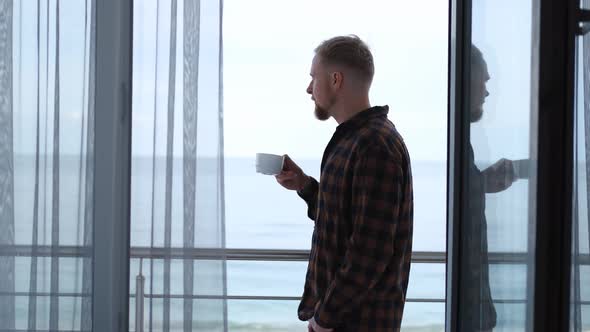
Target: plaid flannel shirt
359, 263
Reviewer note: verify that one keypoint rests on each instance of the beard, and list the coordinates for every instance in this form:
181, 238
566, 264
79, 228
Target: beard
476, 114
321, 113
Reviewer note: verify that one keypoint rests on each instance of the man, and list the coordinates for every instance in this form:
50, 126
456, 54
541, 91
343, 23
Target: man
362, 206
476, 304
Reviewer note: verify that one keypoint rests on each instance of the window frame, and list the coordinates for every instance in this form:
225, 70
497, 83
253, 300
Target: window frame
112, 161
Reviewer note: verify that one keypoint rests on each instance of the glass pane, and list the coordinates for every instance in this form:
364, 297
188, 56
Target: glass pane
580, 297
508, 282
424, 317
207, 315
254, 316
263, 315
47, 78
286, 279
427, 281
176, 153
511, 316
177, 182
265, 278
261, 116
206, 283
494, 232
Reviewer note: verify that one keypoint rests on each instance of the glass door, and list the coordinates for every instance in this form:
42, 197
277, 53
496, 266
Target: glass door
492, 167
512, 163
580, 296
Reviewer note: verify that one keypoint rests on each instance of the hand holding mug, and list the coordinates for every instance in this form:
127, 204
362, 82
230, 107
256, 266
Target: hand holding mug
292, 177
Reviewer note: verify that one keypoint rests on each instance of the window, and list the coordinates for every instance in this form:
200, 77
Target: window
268, 47
266, 62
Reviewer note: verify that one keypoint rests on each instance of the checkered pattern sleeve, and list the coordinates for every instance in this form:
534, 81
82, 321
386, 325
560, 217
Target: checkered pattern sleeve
310, 196
375, 212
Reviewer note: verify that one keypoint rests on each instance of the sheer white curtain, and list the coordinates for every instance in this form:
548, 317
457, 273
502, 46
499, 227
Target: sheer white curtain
46, 164
7, 286
177, 219
47, 89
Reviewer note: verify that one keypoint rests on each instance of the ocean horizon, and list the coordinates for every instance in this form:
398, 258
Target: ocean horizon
261, 214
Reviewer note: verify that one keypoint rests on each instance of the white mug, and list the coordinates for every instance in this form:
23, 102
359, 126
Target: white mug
521, 168
269, 164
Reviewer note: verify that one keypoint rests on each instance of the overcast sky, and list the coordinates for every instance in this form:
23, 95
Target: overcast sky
270, 43
268, 47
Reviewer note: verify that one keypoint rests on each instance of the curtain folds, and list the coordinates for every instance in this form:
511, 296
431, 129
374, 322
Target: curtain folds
177, 174
47, 135
47, 66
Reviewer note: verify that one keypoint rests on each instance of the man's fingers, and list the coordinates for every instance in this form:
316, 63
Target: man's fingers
286, 175
288, 163
509, 171
281, 179
285, 180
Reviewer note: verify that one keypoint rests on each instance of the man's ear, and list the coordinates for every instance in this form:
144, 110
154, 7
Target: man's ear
337, 79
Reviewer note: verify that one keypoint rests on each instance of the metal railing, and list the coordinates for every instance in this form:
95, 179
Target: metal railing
241, 254
232, 254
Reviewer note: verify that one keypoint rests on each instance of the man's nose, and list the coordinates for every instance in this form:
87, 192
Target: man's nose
487, 93
308, 88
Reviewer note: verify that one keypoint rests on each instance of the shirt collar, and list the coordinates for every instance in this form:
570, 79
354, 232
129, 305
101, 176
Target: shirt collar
359, 119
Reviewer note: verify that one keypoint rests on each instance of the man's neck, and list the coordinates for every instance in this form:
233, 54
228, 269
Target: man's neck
349, 109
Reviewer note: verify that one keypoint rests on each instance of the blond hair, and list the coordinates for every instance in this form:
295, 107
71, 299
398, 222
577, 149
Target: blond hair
349, 51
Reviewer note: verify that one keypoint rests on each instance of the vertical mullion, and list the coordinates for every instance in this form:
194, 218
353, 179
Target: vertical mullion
533, 179
54, 287
458, 138
86, 309
112, 146
585, 51
553, 72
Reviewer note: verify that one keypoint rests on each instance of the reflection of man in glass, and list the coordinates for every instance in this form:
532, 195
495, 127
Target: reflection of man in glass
476, 306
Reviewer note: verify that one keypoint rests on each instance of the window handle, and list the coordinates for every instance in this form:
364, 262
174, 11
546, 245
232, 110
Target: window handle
583, 22
139, 296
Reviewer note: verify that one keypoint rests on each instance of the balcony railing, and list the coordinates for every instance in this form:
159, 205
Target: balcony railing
141, 253
240, 254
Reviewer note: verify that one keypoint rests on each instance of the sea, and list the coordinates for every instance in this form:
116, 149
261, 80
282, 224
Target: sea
260, 214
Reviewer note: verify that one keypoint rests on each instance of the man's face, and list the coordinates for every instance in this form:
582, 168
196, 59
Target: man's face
479, 91
320, 89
